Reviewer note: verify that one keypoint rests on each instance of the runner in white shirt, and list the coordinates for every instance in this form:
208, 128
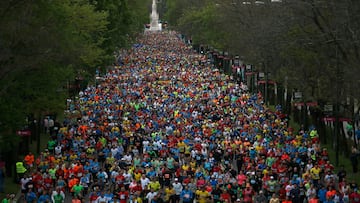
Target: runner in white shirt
151, 195
127, 177
145, 145
144, 181
113, 175
102, 198
58, 150
23, 182
128, 159
288, 188
114, 150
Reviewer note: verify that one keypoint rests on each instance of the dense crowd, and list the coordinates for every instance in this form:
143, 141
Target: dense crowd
166, 126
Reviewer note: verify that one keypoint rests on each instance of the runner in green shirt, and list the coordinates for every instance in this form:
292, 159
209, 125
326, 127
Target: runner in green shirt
51, 145
77, 189
58, 198
6, 199
52, 172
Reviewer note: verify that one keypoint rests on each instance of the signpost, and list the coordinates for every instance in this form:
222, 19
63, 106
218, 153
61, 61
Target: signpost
328, 109
333, 119
23, 133
298, 95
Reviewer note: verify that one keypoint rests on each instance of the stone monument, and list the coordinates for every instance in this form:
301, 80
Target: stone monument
154, 24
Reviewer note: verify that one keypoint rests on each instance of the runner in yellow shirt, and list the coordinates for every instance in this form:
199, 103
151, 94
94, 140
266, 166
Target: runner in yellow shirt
202, 195
169, 191
315, 174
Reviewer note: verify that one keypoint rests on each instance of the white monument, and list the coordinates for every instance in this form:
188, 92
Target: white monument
154, 24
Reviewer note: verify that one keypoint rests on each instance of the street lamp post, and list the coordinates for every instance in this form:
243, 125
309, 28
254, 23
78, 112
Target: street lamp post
337, 128
305, 115
237, 67
37, 134
266, 82
254, 76
298, 97
226, 63
216, 59
221, 61
337, 111
261, 76
337, 100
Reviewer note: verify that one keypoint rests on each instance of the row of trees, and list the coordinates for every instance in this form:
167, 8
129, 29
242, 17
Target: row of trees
46, 45
312, 43
309, 45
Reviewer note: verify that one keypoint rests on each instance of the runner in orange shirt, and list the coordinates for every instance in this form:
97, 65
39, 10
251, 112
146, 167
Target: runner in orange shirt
73, 181
29, 160
313, 199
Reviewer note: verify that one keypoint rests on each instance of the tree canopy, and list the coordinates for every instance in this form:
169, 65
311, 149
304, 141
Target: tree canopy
47, 44
313, 44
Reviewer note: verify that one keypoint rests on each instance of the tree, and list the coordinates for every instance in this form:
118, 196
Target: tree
202, 25
126, 18
43, 43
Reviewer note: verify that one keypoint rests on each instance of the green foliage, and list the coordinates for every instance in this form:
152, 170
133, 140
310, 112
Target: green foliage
315, 44
140, 14
178, 9
173, 11
201, 24
125, 18
46, 44
45, 39
199, 20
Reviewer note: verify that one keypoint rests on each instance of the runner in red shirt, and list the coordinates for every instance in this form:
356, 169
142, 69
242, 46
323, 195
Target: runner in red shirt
225, 196
248, 194
354, 197
123, 195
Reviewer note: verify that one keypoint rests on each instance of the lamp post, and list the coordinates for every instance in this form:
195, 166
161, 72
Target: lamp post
37, 134
254, 80
266, 75
337, 105
211, 55
237, 68
285, 96
261, 76
216, 58
337, 132
221, 61
226, 63
298, 97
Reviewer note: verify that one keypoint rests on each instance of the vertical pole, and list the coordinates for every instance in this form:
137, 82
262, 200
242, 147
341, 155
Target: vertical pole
256, 73
266, 86
353, 132
252, 82
337, 129
337, 133
353, 122
305, 115
285, 96
37, 133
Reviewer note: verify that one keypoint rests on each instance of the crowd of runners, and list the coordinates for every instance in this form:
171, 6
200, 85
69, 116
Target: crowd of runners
166, 126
